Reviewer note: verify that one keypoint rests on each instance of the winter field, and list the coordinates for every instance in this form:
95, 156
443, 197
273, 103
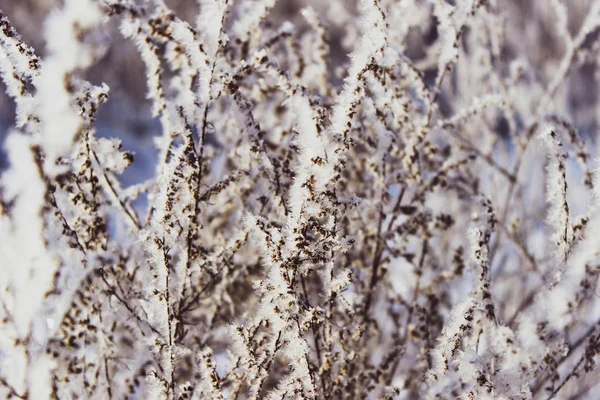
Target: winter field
299, 199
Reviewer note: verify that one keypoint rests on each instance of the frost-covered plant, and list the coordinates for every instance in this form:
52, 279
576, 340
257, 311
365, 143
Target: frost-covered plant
420, 220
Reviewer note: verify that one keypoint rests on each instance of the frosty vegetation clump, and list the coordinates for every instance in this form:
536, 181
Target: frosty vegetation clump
419, 220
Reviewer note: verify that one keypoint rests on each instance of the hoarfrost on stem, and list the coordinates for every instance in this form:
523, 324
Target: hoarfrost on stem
415, 220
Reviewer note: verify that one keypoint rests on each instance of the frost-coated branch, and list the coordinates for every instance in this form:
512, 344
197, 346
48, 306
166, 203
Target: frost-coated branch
390, 199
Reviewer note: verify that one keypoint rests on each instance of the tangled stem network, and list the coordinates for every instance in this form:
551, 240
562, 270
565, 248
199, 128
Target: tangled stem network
419, 219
